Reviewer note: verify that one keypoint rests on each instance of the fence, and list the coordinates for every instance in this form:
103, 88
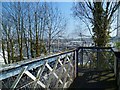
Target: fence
99, 58
56, 71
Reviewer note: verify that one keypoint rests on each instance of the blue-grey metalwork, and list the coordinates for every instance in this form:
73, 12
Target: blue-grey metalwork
57, 70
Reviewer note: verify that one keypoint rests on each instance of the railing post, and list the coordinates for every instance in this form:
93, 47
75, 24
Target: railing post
82, 57
117, 69
76, 62
97, 61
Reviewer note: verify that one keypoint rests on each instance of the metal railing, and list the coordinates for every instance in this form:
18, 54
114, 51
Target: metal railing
99, 58
117, 68
56, 71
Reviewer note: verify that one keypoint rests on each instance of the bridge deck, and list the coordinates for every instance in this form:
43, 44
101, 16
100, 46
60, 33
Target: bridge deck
102, 80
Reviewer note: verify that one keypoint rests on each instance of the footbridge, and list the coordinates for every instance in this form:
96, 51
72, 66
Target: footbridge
82, 67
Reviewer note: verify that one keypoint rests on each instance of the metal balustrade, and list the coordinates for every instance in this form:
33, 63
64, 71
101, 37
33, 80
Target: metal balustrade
91, 57
56, 71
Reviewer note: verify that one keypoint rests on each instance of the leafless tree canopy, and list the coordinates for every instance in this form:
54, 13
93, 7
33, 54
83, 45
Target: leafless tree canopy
29, 29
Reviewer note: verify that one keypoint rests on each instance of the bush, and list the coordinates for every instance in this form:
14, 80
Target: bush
117, 45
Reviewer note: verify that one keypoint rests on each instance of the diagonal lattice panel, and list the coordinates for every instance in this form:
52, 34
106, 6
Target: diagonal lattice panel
50, 72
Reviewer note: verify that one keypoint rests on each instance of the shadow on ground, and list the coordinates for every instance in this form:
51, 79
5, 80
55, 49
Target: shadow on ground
97, 80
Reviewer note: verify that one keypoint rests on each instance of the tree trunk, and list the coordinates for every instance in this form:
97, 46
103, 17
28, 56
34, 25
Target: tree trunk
3, 51
36, 30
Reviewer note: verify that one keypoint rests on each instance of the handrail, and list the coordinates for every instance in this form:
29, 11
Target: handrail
29, 61
5, 72
94, 47
60, 66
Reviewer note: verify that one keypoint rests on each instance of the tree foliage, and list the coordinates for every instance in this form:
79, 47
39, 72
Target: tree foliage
99, 14
117, 44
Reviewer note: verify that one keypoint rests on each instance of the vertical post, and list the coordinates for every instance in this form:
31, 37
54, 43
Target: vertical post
97, 61
117, 73
81, 57
76, 62
117, 69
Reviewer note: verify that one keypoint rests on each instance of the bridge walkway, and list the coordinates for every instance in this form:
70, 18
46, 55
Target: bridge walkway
98, 80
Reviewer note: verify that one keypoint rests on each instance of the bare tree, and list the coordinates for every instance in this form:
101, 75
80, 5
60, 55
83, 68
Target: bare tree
55, 24
99, 14
26, 27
